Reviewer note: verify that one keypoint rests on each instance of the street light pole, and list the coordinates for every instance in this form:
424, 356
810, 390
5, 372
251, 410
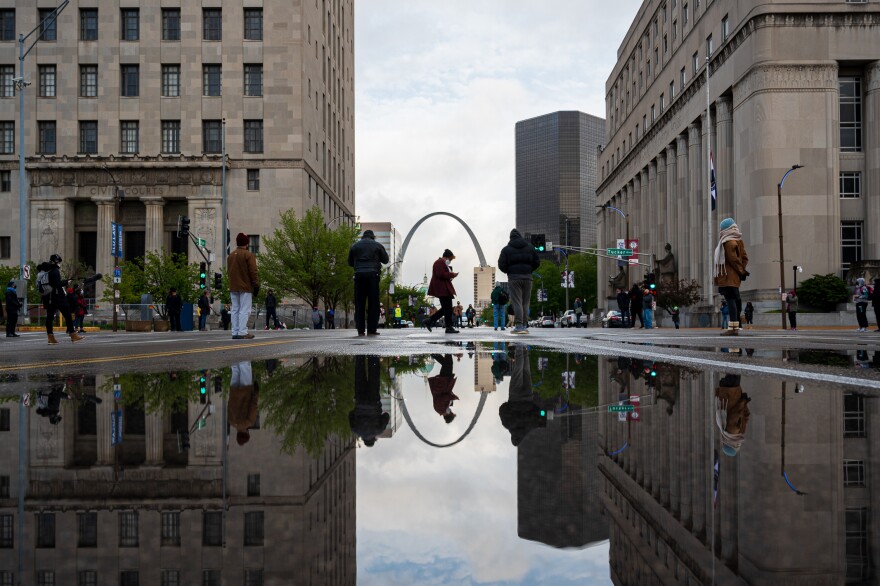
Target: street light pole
781, 248
625, 217
117, 237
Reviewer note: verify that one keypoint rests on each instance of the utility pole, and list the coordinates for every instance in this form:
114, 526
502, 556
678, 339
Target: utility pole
116, 248
781, 249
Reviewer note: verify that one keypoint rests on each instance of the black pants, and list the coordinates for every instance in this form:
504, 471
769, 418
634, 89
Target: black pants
792, 319
862, 314
11, 321
636, 312
61, 307
877, 319
174, 318
366, 302
270, 313
445, 311
734, 303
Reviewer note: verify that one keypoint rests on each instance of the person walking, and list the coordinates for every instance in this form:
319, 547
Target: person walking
791, 305
367, 256
317, 319
519, 260
331, 319
578, 310
499, 306
204, 309
55, 298
12, 307
441, 288
441, 387
225, 317
730, 270
244, 285
271, 312
80, 312
173, 305
648, 309
471, 313
725, 315
861, 295
635, 306
875, 302
749, 313
623, 307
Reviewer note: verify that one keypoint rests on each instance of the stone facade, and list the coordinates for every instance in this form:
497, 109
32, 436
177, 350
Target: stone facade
789, 84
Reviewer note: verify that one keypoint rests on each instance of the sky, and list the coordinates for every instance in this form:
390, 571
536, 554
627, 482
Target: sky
439, 88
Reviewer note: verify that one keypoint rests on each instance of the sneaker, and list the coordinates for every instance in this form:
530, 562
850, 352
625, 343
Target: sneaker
372, 333
247, 337
496, 329
361, 334
451, 331
428, 324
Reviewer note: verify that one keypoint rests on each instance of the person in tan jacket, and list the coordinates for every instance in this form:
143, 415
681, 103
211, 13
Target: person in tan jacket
244, 285
243, 397
730, 271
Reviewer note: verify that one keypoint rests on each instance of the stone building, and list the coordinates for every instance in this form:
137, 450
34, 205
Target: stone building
140, 97
790, 83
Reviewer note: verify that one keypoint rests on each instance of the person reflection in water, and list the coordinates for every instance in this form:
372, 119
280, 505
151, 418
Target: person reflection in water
521, 414
441, 387
731, 413
367, 420
49, 404
243, 396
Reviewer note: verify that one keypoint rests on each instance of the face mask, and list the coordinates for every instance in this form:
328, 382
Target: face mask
448, 262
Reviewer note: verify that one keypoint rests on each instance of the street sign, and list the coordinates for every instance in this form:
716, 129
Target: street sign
117, 272
543, 362
117, 280
116, 427
201, 241
27, 272
118, 308
619, 252
619, 408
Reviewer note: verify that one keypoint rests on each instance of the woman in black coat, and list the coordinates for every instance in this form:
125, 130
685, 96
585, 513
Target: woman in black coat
12, 307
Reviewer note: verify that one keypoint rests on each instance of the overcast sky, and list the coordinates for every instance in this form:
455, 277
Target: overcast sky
439, 87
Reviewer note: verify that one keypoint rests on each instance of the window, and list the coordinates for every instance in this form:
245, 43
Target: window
48, 26
45, 530
853, 473
850, 185
6, 532
253, 79
671, 91
130, 81
45, 578
171, 137
7, 24
725, 28
665, 45
171, 24
171, 81
709, 47
7, 86
850, 114
5, 246
87, 530
212, 24
211, 80
130, 21
857, 561
253, 577
850, 244
212, 139
7, 138
253, 522
253, 24
4, 419
253, 485
253, 136
656, 57
4, 487
128, 137
653, 114
170, 578
210, 577
674, 30
853, 415
254, 247
682, 78
7, 578
129, 578
171, 528
695, 62
87, 578
88, 24
212, 529
128, 529
46, 131
88, 81
662, 102
253, 184
47, 81
88, 137
5, 181
644, 123
684, 14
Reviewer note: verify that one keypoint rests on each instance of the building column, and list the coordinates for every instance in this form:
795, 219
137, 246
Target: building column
154, 438
686, 468
103, 258
648, 223
871, 187
103, 412
662, 230
671, 202
601, 263
694, 197
155, 224
724, 158
684, 235
638, 222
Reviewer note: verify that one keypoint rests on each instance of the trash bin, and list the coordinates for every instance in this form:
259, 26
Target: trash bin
186, 317
146, 311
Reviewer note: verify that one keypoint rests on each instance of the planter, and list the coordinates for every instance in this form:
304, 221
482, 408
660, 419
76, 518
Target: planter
139, 325
161, 325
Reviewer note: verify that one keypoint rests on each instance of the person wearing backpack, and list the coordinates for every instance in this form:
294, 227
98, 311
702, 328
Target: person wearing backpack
499, 304
12, 307
861, 296
51, 287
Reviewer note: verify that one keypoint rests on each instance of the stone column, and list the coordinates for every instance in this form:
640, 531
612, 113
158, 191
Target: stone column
724, 158
686, 467
694, 197
103, 259
601, 263
155, 224
154, 438
871, 185
684, 235
699, 439
661, 230
671, 206
635, 208
102, 413
648, 223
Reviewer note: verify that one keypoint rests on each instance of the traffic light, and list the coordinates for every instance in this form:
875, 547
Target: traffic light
652, 284
203, 275
218, 281
184, 226
203, 387
539, 241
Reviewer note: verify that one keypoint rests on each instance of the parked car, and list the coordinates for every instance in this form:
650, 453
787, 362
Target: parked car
546, 321
568, 319
613, 319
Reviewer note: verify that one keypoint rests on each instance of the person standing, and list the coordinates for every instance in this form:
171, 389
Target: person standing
225, 317
875, 301
730, 270
55, 299
441, 288
457, 311
749, 313
791, 305
331, 319
861, 295
725, 315
243, 402
398, 315
676, 316
578, 310
623, 307
271, 312
635, 306
367, 420
471, 313
499, 306
12, 307
80, 311
648, 309
204, 309
519, 260
173, 305
317, 319
367, 256
244, 285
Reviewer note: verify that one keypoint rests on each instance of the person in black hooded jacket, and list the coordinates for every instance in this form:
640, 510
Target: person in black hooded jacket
518, 260
56, 301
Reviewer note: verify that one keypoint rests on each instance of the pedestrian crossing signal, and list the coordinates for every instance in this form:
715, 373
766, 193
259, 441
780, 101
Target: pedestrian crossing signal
539, 241
203, 275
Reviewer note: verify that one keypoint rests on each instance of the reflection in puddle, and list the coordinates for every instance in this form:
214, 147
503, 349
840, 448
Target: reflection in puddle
472, 461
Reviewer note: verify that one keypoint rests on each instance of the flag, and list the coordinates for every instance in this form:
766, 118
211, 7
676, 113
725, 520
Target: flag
712, 180
229, 238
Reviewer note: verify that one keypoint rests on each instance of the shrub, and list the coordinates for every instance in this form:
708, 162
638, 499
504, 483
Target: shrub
823, 291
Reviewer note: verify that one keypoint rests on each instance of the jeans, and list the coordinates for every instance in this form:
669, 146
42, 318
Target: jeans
862, 315
241, 311
499, 315
648, 318
203, 319
725, 322
366, 302
792, 319
520, 296
734, 303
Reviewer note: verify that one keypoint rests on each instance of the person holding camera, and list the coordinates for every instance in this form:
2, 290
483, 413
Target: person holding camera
730, 271
52, 290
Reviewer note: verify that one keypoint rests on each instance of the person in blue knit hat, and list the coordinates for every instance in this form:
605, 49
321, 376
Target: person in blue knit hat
730, 271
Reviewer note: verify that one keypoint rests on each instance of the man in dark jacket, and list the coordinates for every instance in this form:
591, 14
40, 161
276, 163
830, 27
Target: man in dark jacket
204, 310
56, 301
519, 260
623, 306
173, 305
635, 306
521, 414
441, 288
271, 312
367, 420
367, 257
12, 307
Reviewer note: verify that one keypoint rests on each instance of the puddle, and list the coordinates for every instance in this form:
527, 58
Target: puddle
477, 464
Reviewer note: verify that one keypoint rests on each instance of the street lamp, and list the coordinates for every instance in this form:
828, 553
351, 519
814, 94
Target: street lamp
781, 249
117, 236
20, 84
341, 216
625, 217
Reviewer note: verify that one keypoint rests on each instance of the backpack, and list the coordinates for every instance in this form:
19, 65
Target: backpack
43, 286
503, 297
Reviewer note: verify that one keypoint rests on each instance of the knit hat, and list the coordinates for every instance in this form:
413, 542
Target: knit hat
242, 239
727, 223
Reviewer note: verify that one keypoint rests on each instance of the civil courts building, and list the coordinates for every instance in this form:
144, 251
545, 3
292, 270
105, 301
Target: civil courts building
790, 83
140, 97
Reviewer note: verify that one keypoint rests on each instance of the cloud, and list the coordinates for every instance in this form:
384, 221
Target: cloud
439, 89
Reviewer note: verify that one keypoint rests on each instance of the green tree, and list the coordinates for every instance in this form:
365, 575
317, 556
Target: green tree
155, 273
339, 289
823, 291
584, 268
683, 293
402, 294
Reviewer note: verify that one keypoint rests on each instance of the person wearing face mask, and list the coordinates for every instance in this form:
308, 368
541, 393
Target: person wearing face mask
441, 288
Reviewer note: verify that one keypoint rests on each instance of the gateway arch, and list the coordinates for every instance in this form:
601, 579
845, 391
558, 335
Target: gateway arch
399, 259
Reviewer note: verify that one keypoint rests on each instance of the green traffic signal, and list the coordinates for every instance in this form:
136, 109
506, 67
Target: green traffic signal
543, 413
203, 388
